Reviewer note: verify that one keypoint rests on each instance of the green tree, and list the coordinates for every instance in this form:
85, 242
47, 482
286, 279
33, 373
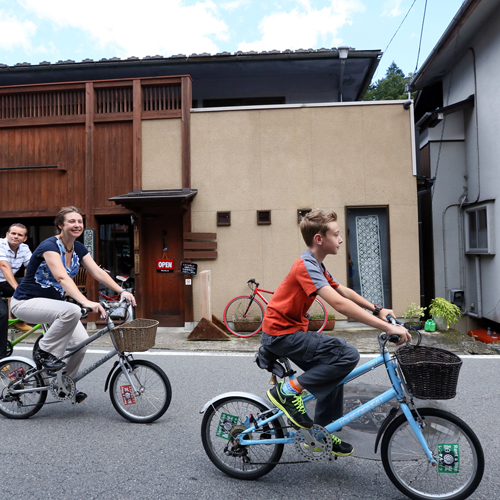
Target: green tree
391, 87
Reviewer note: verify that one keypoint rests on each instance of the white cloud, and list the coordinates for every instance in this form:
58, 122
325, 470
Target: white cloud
304, 26
133, 28
236, 4
391, 8
15, 33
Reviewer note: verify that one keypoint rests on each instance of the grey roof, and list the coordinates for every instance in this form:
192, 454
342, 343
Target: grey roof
322, 67
164, 197
456, 39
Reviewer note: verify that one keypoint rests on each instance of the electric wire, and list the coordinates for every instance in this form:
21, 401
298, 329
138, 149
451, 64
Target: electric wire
396, 32
421, 33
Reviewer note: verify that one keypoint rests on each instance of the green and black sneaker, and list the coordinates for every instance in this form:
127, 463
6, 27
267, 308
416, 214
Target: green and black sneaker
291, 405
339, 448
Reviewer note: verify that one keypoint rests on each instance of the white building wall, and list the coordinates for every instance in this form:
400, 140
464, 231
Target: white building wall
478, 73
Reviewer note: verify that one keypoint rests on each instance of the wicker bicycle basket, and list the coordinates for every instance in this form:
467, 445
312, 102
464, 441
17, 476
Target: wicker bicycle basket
136, 335
429, 372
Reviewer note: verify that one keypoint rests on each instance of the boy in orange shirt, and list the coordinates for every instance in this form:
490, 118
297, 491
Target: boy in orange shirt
325, 360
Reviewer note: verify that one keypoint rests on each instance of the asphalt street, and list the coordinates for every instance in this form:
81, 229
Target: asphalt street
89, 451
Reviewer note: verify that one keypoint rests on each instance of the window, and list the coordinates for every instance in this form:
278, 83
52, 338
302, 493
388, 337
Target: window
223, 218
478, 234
263, 217
301, 212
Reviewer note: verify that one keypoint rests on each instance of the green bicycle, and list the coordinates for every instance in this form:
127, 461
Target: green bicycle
11, 343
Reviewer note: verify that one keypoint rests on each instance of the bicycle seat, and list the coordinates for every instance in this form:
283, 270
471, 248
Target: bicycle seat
122, 278
266, 360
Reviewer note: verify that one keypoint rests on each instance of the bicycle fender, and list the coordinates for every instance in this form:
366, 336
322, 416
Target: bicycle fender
108, 378
390, 417
248, 395
21, 358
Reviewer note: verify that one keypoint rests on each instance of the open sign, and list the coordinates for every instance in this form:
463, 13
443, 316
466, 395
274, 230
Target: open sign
165, 266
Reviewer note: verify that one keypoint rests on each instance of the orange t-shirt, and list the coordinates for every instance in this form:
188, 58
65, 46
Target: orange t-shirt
293, 298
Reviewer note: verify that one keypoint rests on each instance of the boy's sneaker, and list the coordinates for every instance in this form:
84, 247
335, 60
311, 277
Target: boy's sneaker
80, 396
47, 361
291, 405
339, 448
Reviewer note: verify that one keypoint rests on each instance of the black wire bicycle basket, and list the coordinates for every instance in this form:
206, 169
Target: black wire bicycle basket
429, 372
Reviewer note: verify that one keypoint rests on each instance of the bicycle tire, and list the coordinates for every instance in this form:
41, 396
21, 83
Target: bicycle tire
155, 392
215, 440
409, 469
9, 349
24, 405
244, 313
317, 312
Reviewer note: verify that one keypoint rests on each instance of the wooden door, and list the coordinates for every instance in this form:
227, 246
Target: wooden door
161, 293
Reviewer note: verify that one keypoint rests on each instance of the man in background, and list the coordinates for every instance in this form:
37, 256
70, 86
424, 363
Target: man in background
14, 253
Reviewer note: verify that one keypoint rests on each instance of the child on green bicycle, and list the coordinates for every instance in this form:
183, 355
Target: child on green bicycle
325, 360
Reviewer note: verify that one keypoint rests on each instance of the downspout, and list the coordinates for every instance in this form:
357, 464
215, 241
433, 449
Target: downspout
343, 52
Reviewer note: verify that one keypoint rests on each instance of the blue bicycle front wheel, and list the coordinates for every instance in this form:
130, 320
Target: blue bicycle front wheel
455, 447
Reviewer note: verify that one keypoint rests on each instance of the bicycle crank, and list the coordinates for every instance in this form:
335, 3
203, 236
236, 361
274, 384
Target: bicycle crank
63, 387
314, 444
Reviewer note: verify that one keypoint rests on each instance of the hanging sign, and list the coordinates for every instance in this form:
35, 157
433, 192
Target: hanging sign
89, 241
189, 268
164, 266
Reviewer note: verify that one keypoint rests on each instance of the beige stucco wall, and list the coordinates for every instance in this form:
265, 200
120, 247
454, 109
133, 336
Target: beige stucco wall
284, 159
161, 154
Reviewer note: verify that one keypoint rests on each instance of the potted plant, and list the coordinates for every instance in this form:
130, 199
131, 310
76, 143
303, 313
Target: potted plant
444, 313
248, 324
413, 315
316, 321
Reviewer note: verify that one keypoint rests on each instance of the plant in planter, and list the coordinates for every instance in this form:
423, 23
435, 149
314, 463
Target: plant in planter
414, 315
248, 324
443, 312
316, 321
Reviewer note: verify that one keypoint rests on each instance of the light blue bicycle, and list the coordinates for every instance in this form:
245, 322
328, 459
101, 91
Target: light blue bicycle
427, 453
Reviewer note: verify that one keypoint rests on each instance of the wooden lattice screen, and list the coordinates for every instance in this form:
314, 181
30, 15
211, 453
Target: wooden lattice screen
42, 104
114, 100
162, 98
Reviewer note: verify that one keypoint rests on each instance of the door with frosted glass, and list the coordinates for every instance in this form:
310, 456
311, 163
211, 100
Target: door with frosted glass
367, 241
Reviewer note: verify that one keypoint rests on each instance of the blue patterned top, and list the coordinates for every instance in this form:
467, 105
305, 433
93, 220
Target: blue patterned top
39, 281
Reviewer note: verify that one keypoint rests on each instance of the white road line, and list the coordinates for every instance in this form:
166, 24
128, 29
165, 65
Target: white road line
240, 354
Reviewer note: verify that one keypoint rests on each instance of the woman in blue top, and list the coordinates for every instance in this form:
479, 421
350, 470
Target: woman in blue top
49, 277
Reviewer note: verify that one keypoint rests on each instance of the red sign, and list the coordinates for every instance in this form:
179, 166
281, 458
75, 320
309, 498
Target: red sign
127, 395
165, 266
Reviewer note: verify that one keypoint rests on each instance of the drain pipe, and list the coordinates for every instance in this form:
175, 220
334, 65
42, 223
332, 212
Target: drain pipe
343, 52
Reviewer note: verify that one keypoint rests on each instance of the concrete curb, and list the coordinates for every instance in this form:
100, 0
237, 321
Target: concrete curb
362, 337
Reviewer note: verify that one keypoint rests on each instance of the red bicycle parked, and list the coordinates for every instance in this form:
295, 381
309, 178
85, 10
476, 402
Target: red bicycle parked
243, 315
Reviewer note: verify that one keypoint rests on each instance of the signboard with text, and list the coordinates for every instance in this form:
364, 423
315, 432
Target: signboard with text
164, 266
189, 268
89, 241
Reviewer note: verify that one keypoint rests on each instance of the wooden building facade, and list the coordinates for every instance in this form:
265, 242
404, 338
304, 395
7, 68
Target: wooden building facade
81, 144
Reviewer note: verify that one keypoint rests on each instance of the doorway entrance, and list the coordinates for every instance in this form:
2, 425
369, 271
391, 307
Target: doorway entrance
368, 265
162, 293
115, 248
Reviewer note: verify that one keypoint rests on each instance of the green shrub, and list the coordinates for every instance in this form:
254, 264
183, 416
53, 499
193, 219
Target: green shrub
414, 311
442, 308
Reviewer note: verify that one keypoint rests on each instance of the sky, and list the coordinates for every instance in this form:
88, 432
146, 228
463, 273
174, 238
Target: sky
57, 30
